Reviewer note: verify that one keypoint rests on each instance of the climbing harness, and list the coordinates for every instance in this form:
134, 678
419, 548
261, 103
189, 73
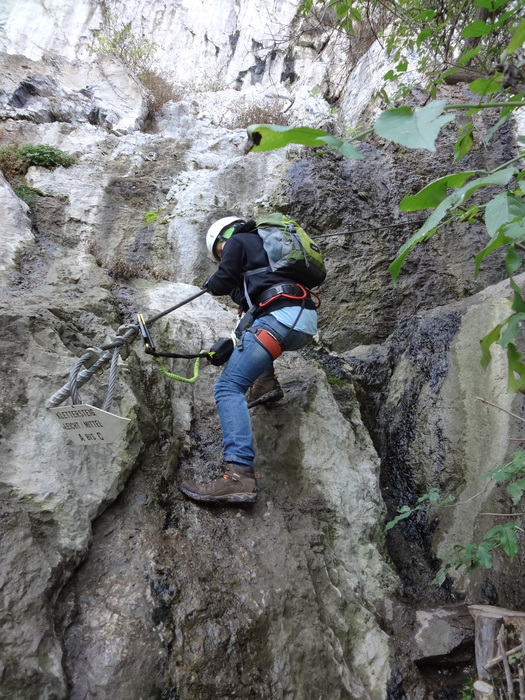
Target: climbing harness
297, 292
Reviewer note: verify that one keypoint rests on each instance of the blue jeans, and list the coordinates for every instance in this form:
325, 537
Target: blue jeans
239, 373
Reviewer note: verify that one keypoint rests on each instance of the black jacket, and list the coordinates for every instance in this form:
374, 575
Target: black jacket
241, 253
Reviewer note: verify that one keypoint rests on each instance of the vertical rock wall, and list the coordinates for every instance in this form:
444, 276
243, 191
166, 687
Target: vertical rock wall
114, 584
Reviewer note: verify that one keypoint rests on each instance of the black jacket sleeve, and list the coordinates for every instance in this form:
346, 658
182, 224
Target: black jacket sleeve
228, 277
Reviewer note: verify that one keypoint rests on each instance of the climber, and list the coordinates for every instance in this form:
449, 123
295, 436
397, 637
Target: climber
287, 320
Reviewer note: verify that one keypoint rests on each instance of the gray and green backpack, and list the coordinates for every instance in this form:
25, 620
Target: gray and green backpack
291, 251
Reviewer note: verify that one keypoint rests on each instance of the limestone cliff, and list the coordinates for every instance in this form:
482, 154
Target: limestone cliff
115, 585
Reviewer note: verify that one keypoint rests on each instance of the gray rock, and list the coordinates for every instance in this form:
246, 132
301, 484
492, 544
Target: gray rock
114, 584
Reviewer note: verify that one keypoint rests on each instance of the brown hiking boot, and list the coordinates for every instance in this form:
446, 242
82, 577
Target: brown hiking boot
236, 485
264, 390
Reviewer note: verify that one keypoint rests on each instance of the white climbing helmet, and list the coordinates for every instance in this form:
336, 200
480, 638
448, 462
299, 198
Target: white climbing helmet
219, 231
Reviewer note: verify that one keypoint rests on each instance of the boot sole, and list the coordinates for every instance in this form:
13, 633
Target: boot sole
272, 396
228, 498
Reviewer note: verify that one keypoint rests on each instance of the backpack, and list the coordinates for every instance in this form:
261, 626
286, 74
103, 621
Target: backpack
291, 251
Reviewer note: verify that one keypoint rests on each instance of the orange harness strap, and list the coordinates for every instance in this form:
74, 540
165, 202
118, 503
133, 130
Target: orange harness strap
268, 342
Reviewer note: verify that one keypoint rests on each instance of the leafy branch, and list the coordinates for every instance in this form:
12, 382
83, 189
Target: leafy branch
432, 498
118, 39
472, 556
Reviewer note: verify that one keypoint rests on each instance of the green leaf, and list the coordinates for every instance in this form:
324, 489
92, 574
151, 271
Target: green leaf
483, 556
505, 535
518, 38
515, 230
356, 14
151, 216
344, 148
424, 233
506, 472
515, 367
446, 501
441, 576
464, 142
415, 129
448, 72
268, 137
498, 242
512, 261
424, 34
477, 28
435, 192
511, 331
486, 343
391, 75
515, 490
502, 209
401, 67
487, 4
403, 512
469, 55
456, 199
518, 303
425, 15
487, 86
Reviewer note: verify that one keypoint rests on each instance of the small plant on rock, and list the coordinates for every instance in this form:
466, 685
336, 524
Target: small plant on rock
12, 164
117, 39
16, 160
46, 156
256, 113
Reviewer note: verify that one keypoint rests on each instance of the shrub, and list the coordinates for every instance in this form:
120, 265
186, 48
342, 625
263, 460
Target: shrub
118, 39
160, 91
256, 113
16, 160
12, 164
46, 156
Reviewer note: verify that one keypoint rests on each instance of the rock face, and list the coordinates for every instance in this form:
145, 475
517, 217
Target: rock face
115, 585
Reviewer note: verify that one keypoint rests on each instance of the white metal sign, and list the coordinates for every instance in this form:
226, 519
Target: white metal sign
87, 425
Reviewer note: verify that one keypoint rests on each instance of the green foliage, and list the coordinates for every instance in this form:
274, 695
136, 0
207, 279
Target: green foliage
267, 137
477, 42
117, 39
467, 691
500, 537
513, 472
415, 128
151, 216
441, 36
46, 156
16, 160
432, 498
473, 556
446, 210
12, 164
